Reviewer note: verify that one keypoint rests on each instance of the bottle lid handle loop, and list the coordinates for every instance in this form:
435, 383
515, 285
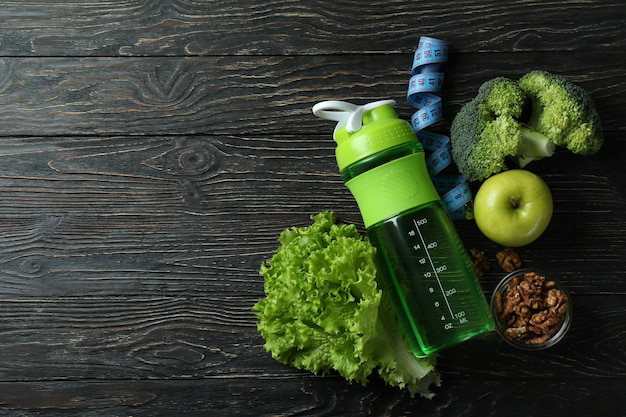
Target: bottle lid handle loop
346, 114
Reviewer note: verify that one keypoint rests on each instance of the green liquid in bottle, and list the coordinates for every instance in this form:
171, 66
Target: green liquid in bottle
425, 269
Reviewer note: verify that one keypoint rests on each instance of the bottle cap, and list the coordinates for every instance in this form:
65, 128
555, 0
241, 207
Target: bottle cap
362, 131
398, 184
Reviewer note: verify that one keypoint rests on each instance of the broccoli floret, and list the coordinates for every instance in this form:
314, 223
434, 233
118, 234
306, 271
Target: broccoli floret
563, 112
519, 122
486, 131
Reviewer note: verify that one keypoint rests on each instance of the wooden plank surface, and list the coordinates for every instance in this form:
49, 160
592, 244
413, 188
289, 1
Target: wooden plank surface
289, 27
152, 151
264, 96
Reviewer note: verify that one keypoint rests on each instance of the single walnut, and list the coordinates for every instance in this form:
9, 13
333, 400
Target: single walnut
508, 260
479, 262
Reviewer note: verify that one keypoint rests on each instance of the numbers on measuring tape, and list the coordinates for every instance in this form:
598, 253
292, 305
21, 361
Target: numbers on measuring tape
432, 245
425, 84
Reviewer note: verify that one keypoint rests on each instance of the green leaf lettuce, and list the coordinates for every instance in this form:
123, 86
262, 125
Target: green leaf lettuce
324, 310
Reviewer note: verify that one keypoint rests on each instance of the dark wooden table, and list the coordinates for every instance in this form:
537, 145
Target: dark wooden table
152, 151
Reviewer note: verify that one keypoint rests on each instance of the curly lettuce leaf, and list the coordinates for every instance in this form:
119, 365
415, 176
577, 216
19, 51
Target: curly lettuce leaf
324, 310
396, 363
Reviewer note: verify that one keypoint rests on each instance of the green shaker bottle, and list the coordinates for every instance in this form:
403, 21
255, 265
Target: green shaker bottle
422, 262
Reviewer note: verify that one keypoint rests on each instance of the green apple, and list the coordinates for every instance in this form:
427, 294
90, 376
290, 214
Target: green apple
513, 208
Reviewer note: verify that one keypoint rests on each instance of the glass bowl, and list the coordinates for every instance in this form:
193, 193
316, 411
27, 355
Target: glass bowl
532, 310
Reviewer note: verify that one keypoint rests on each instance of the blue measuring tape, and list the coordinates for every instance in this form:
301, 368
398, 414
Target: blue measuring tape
426, 80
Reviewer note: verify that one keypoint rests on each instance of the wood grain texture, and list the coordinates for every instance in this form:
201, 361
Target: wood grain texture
288, 27
152, 151
264, 96
304, 395
194, 335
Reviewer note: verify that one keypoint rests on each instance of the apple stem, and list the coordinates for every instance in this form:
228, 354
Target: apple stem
514, 202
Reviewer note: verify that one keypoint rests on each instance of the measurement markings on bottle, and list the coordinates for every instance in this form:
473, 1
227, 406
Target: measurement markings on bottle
434, 272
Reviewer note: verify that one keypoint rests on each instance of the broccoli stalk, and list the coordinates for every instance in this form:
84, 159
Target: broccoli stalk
520, 122
533, 146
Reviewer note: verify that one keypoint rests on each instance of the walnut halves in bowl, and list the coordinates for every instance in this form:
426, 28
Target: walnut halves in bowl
532, 310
